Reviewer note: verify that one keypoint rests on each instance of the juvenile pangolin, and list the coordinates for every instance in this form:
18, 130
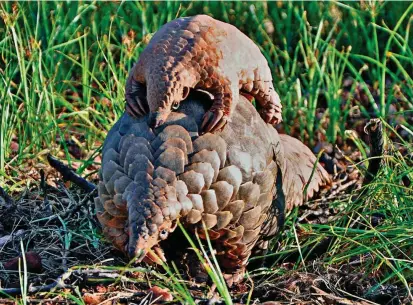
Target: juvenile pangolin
239, 181
203, 53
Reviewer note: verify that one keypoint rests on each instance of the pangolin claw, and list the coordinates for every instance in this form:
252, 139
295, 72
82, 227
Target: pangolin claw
155, 256
270, 116
214, 120
234, 278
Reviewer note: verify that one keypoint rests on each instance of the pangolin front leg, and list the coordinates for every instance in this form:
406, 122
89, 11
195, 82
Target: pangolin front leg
269, 103
136, 102
231, 252
219, 113
234, 262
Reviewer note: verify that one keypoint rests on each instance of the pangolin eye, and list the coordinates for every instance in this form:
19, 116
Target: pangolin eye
175, 105
163, 234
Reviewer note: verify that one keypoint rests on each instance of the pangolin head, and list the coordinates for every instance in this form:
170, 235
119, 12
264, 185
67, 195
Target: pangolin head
149, 224
163, 98
146, 231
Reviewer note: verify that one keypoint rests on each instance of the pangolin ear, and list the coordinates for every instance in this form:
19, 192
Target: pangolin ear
185, 93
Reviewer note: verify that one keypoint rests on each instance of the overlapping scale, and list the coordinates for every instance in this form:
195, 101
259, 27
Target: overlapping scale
225, 180
212, 142
205, 169
232, 175
208, 156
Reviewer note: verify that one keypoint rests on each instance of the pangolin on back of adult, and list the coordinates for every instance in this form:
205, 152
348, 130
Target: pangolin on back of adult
202, 53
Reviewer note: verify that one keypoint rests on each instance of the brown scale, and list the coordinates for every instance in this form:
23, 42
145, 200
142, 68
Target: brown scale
202, 53
152, 178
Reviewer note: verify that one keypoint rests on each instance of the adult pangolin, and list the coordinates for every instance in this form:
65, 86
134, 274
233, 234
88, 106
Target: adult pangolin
203, 53
240, 181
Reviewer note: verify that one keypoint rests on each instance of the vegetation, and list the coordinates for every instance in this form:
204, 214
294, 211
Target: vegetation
63, 67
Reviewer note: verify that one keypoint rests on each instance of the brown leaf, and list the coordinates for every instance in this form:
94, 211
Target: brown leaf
101, 289
33, 261
92, 298
162, 293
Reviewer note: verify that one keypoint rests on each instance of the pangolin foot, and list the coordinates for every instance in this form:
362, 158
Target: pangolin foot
155, 257
214, 120
270, 116
234, 278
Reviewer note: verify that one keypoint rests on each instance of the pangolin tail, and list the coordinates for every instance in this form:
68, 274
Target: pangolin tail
303, 176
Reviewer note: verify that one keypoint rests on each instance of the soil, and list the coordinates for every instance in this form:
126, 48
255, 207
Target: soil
56, 229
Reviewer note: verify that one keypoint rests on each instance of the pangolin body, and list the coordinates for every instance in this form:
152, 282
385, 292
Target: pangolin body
239, 181
203, 53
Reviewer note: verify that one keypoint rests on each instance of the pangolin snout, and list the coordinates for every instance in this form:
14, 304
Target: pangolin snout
138, 248
140, 242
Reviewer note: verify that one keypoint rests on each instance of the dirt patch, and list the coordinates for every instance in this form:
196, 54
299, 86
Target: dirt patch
56, 229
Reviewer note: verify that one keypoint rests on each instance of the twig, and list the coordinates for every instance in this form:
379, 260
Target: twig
7, 201
65, 213
330, 298
86, 275
59, 283
70, 175
7, 301
43, 185
374, 128
5, 239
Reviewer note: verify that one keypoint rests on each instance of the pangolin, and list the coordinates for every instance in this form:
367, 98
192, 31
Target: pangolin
239, 181
203, 53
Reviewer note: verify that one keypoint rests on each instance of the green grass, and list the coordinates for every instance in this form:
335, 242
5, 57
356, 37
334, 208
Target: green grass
385, 250
63, 67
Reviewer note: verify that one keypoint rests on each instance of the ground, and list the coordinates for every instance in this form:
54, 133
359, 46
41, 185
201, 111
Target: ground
336, 65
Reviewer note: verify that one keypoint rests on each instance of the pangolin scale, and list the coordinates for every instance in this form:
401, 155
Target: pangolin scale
238, 181
202, 53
